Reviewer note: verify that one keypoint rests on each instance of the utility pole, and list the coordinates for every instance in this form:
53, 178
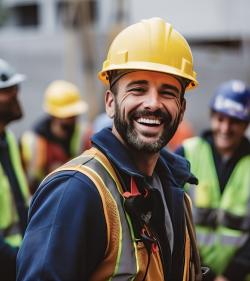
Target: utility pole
81, 49
82, 44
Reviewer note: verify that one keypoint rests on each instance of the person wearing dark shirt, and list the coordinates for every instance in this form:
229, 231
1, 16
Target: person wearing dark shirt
57, 137
220, 158
14, 193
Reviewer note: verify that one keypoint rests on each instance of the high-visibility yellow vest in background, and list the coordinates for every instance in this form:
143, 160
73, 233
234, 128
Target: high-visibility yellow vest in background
222, 219
41, 155
9, 227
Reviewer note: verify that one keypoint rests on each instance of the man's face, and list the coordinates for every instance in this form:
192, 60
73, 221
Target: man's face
64, 126
227, 132
147, 109
10, 108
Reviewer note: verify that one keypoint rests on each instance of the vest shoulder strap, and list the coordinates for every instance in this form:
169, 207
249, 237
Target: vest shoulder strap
192, 261
110, 210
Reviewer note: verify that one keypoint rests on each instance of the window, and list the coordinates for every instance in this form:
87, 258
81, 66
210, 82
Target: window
75, 13
25, 15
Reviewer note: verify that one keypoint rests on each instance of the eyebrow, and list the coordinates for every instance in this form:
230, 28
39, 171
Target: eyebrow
137, 82
145, 82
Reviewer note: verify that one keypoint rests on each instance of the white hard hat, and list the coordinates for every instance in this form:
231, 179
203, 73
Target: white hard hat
8, 76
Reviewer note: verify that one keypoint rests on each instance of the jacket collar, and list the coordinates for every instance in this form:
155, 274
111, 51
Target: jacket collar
176, 167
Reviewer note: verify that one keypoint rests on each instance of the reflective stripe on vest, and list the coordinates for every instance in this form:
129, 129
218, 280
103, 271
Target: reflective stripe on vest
210, 239
215, 217
222, 219
34, 155
121, 260
127, 256
78, 139
8, 213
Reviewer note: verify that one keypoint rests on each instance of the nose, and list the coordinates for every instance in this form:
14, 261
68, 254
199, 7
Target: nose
152, 100
225, 126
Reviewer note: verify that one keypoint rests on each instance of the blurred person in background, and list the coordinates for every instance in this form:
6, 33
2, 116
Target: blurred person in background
58, 136
220, 158
101, 121
119, 211
14, 193
184, 131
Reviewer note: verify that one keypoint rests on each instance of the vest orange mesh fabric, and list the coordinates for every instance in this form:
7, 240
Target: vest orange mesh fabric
155, 271
107, 267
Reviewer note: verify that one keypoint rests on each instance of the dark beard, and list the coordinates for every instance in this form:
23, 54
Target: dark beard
11, 112
129, 135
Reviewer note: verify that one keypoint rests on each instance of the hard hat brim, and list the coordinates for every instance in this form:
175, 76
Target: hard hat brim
102, 75
236, 115
67, 111
14, 80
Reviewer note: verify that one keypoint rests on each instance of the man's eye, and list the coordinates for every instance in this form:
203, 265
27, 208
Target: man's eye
168, 94
137, 90
220, 119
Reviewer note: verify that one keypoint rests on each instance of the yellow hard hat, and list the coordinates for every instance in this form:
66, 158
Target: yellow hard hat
62, 99
151, 44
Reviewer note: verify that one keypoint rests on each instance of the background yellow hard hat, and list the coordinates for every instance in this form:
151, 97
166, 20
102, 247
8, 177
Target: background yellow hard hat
151, 44
62, 99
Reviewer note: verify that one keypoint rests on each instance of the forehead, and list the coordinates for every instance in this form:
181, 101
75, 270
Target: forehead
222, 116
150, 77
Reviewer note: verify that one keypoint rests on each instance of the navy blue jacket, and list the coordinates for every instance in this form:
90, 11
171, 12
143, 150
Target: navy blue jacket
66, 234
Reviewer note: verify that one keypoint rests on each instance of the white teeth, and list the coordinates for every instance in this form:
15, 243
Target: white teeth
149, 121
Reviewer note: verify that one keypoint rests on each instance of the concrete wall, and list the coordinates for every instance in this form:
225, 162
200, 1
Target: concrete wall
46, 54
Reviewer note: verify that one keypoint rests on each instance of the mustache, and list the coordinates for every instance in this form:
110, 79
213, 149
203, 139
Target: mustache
165, 116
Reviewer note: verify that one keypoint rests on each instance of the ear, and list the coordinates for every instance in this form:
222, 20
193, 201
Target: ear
183, 109
110, 103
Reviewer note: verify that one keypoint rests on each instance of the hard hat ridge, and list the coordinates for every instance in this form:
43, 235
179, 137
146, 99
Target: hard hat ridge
153, 45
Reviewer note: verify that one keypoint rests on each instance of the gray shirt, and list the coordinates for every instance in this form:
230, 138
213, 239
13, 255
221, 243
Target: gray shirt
156, 183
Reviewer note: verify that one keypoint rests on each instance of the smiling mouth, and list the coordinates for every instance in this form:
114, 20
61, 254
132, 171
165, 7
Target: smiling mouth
224, 136
147, 121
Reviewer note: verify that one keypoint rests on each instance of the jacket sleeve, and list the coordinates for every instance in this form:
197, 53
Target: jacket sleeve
66, 234
239, 266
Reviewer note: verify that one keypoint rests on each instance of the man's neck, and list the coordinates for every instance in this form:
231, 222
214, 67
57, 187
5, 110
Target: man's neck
227, 154
145, 162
